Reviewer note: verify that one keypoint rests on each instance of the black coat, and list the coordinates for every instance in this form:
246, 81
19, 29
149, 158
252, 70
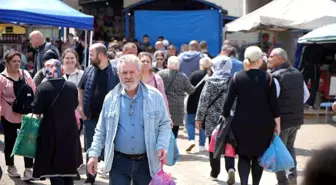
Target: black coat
57, 152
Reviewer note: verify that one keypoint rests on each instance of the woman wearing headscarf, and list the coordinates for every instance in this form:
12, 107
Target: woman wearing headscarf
210, 107
58, 142
40, 75
256, 116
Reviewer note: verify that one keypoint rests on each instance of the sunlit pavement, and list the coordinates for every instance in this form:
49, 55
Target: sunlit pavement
193, 168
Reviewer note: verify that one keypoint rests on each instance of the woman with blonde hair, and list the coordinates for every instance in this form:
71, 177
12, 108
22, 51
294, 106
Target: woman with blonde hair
197, 79
256, 116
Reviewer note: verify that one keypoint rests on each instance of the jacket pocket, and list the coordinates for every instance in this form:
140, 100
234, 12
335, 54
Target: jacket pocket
154, 114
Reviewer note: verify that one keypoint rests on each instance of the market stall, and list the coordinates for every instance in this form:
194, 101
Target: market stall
44, 12
282, 15
321, 39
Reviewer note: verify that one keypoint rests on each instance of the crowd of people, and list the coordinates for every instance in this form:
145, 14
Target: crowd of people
130, 98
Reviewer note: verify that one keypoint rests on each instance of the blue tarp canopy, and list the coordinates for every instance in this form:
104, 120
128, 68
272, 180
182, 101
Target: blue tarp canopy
44, 12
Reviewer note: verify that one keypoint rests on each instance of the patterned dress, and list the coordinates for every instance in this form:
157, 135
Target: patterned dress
180, 85
211, 90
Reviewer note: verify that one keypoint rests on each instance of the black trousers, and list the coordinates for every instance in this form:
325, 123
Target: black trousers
245, 165
61, 181
10, 133
175, 130
313, 73
215, 163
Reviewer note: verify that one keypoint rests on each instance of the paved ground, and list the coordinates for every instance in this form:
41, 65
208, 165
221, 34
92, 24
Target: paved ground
193, 168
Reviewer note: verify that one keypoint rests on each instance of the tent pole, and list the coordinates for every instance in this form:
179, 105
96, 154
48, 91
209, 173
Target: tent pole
91, 37
64, 34
85, 52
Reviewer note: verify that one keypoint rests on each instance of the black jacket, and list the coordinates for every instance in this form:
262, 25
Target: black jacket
195, 78
290, 100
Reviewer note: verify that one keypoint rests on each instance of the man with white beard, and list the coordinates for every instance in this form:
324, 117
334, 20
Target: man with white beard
134, 127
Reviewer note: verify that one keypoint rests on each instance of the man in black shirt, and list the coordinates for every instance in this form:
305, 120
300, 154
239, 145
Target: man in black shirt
98, 79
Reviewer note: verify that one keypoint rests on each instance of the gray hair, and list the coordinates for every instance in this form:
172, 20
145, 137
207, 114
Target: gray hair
129, 59
36, 32
280, 52
174, 63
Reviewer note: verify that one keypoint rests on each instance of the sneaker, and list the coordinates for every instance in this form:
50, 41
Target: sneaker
231, 177
202, 149
12, 172
104, 175
89, 181
213, 178
191, 145
27, 174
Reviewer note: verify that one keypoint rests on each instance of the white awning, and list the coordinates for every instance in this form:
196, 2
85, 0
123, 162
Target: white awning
281, 15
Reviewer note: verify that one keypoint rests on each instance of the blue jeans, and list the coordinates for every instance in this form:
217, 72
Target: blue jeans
288, 137
124, 171
89, 131
191, 130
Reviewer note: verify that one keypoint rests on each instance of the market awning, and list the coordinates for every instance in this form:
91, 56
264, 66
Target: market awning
325, 34
44, 12
281, 15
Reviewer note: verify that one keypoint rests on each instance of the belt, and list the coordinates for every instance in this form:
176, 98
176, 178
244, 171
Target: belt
132, 157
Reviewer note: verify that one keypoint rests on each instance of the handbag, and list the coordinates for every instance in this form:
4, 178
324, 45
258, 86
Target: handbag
25, 143
197, 85
223, 136
173, 152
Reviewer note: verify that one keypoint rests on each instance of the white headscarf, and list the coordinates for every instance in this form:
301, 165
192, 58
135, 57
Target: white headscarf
221, 66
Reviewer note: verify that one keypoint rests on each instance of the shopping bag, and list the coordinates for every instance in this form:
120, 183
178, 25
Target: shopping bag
214, 134
276, 158
173, 152
25, 144
230, 151
162, 178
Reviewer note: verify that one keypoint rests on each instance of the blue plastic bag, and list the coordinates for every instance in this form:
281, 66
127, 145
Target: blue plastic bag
276, 158
173, 152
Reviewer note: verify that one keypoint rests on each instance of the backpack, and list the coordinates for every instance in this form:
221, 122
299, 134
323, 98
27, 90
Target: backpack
24, 96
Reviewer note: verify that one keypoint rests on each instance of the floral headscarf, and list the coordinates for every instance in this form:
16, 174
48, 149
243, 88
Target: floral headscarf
52, 69
221, 66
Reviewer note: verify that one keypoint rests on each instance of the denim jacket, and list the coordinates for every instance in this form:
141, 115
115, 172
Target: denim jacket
156, 126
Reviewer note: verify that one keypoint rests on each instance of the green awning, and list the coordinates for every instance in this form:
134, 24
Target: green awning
325, 34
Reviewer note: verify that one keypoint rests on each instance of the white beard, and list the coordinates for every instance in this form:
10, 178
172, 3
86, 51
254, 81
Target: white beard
130, 87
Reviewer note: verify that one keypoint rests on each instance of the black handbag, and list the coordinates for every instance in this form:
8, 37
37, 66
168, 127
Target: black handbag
224, 136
